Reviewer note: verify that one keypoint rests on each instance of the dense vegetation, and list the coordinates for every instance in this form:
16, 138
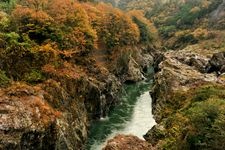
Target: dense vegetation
193, 119
198, 120
179, 22
36, 33
42, 36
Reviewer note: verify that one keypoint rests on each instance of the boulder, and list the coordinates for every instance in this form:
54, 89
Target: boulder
127, 142
41, 117
217, 63
134, 73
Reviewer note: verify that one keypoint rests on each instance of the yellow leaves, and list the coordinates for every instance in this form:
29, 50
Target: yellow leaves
80, 25
200, 33
63, 10
111, 25
22, 12
49, 48
65, 70
139, 15
205, 3
182, 33
35, 4
195, 10
4, 20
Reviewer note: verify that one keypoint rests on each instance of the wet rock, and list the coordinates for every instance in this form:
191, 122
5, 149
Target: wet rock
144, 60
155, 134
158, 58
100, 96
127, 142
137, 67
132, 67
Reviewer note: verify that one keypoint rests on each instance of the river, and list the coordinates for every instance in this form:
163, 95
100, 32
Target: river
132, 116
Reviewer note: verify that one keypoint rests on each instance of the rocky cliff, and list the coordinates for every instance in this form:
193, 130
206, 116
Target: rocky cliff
56, 113
186, 78
62, 65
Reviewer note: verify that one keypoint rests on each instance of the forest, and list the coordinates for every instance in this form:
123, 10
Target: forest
63, 64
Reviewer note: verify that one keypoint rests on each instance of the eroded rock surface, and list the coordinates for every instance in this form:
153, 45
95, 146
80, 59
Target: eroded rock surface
56, 113
182, 80
179, 71
127, 142
26, 120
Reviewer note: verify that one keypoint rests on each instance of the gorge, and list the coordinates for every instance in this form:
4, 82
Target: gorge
77, 74
132, 116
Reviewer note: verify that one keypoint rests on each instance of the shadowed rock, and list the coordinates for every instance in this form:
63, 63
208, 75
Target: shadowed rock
217, 63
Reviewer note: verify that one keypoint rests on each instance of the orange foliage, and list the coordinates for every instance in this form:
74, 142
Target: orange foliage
79, 26
34, 4
22, 13
60, 10
67, 19
114, 28
140, 16
67, 70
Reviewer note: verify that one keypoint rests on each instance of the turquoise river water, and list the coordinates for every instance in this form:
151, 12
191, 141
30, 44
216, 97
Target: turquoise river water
132, 116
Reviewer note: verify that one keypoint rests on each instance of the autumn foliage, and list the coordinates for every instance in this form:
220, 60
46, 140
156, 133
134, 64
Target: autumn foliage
74, 25
36, 33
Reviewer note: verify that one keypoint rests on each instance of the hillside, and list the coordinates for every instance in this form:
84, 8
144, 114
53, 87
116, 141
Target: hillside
188, 95
62, 64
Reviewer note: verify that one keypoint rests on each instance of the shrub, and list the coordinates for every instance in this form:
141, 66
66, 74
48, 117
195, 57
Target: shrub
199, 122
148, 33
4, 80
207, 121
167, 31
116, 29
34, 76
7, 5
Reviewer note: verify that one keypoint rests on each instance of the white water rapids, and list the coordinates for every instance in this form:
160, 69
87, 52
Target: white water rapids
140, 122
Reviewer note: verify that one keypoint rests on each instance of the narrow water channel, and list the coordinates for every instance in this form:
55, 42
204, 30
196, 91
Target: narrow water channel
132, 116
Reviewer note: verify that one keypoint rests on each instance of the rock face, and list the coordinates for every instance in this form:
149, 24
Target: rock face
134, 72
181, 72
178, 71
155, 134
55, 113
127, 142
130, 67
27, 121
